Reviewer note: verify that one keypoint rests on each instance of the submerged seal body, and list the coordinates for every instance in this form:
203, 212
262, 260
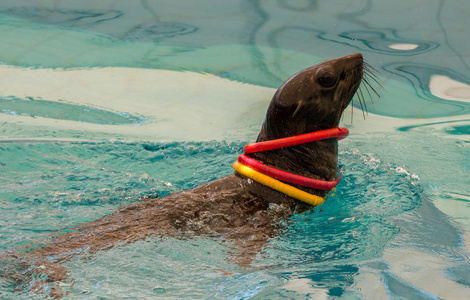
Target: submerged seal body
234, 207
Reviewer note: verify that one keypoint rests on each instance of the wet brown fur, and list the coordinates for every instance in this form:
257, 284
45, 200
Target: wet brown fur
233, 208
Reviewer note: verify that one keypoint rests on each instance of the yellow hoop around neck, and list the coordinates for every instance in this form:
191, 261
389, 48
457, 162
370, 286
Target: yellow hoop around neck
278, 185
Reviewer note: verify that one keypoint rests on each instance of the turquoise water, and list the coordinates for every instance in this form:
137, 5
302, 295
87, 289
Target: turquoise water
103, 102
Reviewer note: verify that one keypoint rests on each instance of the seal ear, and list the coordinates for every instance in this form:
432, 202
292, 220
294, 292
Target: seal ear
298, 108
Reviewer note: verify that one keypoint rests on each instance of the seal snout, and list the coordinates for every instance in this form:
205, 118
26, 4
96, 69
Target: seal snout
352, 64
354, 59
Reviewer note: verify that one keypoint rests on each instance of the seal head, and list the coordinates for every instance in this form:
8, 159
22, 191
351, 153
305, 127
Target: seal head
314, 98
311, 100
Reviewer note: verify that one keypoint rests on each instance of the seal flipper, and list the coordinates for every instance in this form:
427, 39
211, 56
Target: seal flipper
265, 225
246, 251
29, 272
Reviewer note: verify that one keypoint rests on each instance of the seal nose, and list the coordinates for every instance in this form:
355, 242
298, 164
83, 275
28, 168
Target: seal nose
355, 58
357, 55
352, 62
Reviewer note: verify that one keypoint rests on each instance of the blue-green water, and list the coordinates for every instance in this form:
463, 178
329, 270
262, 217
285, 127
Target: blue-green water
106, 101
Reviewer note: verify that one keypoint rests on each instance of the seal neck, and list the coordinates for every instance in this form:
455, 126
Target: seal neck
252, 168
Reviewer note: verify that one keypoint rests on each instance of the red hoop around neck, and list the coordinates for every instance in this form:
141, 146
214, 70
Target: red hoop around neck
337, 132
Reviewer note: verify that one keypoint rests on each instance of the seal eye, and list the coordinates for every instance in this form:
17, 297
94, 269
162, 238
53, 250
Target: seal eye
327, 79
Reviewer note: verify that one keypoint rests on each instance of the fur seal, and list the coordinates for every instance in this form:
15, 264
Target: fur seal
233, 207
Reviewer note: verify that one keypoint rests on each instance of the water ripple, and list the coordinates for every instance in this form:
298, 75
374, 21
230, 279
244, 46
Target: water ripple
388, 42
31, 107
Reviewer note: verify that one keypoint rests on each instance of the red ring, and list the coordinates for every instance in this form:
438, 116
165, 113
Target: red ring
288, 177
338, 132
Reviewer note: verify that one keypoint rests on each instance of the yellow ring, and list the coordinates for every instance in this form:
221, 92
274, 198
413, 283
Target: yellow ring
277, 185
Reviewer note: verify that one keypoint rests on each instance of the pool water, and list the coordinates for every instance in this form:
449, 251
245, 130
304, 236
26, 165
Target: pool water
102, 102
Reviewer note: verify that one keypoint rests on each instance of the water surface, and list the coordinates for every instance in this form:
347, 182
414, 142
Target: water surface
104, 102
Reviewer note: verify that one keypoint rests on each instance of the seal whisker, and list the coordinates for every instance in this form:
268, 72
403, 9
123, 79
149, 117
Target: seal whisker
376, 80
370, 68
370, 74
352, 108
362, 108
362, 102
373, 75
367, 85
373, 89
368, 79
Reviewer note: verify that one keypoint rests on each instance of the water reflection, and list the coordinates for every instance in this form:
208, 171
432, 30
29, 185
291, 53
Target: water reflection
80, 18
308, 5
440, 19
455, 130
443, 87
388, 42
153, 30
31, 107
265, 34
